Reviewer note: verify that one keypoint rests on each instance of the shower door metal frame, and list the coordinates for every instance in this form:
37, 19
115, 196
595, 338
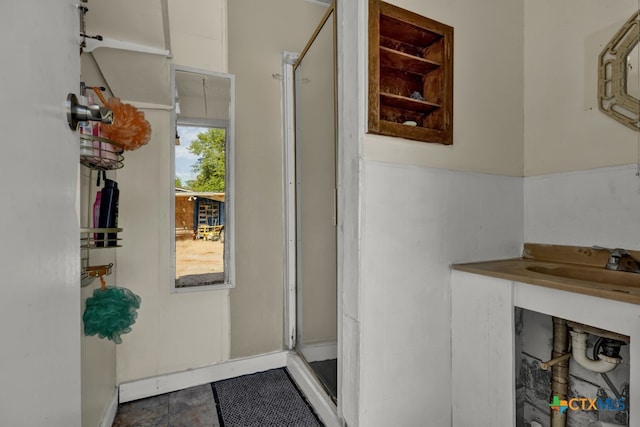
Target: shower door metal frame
288, 113
290, 61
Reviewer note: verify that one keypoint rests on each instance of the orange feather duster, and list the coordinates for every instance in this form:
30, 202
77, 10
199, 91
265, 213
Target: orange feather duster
129, 130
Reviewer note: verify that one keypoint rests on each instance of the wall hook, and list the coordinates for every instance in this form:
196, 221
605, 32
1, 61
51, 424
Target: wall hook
99, 271
77, 113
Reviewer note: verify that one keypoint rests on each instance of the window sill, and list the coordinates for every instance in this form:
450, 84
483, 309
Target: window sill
197, 288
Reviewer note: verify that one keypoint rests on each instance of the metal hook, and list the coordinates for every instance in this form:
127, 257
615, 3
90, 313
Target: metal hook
77, 112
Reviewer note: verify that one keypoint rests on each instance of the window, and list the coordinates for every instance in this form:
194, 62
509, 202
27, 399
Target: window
202, 201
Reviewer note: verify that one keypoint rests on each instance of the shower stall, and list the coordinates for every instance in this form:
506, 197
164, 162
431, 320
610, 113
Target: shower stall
312, 205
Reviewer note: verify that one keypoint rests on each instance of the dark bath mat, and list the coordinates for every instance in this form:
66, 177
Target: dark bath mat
267, 398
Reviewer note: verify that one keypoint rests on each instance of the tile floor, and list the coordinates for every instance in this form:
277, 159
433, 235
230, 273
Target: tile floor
191, 407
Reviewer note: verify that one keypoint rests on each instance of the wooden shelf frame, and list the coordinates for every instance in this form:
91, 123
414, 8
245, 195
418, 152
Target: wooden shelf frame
409, 53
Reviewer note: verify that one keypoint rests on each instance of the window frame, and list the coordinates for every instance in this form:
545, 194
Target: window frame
229, 205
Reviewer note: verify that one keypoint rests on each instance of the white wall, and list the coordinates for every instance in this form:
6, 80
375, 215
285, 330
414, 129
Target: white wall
404, 221
173, 332
580, 196
259, 32
564, 130
584, 208
488, 91
416, 222
351, 57
40, 257
98, 367
429, 218
98, 356
199, 33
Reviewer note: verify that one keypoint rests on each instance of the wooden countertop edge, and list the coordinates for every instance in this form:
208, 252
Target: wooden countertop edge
514, 269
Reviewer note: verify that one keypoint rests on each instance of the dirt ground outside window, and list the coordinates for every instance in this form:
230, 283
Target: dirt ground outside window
199, 262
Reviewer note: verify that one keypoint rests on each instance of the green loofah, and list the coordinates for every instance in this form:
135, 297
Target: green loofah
110, 313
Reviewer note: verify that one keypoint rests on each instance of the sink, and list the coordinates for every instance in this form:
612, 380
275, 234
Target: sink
590, 274
567, 268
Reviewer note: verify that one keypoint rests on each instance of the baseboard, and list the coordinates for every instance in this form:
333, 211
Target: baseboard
167, 383
110, 413
314, 392
318, 351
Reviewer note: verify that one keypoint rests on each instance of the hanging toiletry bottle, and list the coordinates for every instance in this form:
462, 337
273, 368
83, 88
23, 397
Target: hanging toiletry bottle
109, 212
86, 128
96, 213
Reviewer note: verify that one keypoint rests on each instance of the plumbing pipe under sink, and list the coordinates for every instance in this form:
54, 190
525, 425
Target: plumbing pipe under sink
579, 354
559, 369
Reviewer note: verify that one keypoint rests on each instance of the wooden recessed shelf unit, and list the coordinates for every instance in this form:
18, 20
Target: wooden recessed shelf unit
410, 75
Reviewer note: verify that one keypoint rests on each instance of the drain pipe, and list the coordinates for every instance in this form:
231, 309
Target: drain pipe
579, 354
560, 370
560, 361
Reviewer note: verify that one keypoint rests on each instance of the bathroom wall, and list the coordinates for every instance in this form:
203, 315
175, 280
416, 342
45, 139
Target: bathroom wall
173, 332
488, 117
564, 130
176, 332
98, 356
199, 33
579, 199
425, 206
542, 69
98, 368
415, 222
586, 192
39, 221
584, 208
258, 33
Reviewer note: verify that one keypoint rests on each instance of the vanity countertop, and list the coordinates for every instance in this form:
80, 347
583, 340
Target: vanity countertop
568, 268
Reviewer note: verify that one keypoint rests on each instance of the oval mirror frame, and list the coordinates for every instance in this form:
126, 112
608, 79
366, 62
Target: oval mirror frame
613, 98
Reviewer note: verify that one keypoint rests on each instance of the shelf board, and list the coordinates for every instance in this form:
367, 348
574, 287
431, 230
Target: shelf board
406, 103
417, 133
405, 62
407, 32
89, 241
100, 230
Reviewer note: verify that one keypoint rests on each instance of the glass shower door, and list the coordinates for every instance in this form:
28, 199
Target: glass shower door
315, 170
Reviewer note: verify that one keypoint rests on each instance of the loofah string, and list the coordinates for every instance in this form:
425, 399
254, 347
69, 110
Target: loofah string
98, 93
